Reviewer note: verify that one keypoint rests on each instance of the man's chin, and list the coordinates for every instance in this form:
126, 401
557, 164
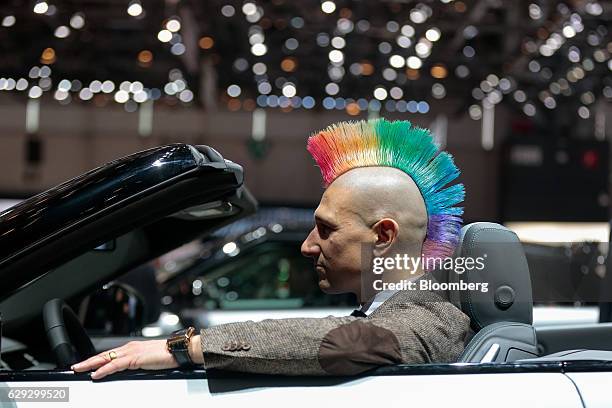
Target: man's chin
327, 288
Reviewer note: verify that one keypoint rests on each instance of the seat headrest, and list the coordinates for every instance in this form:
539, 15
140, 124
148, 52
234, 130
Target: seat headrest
509, 296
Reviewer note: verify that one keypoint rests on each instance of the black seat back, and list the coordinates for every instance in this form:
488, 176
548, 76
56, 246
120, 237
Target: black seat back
501, 316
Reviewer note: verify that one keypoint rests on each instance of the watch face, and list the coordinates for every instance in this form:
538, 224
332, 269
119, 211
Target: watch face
176, 343
180, 339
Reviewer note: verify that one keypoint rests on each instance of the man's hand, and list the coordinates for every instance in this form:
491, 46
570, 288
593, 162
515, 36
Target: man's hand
148, 355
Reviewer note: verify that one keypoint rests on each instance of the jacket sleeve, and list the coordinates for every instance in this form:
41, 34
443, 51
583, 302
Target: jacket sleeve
303, 346
409, 328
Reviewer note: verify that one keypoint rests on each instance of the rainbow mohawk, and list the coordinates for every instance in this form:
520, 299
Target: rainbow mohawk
348, 145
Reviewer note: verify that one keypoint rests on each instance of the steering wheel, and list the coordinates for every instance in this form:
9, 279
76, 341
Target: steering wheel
67, 337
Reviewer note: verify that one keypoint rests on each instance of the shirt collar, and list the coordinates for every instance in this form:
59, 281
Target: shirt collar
376, 301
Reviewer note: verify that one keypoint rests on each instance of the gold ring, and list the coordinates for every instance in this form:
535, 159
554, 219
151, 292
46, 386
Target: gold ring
112, 355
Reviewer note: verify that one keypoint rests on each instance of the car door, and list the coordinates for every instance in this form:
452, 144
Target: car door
593, 388
458, 385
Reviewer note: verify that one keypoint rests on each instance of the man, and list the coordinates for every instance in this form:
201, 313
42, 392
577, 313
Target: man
385, 199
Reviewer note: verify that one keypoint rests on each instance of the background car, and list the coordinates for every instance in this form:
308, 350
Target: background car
253, 269
248, 270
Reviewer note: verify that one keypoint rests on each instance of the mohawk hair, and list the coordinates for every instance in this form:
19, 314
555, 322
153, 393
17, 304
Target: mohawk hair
347, 145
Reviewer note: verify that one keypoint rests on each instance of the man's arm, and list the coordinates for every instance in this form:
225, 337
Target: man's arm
326, 346
321, 346
408, 328
399, 331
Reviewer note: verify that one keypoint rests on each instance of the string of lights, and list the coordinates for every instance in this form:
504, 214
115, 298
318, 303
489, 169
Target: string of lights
358, 56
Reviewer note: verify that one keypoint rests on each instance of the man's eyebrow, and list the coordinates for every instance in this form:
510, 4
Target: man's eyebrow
322, 219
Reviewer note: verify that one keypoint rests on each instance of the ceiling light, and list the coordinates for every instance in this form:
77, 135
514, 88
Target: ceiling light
289, 90
423, 48
414, 62
291, 44
470, 32
384, 47
62, 31
380, 93
397, 61
259, 68
404, 41
288, 64
338, 42
228, 10
475, 112
469, 51
332, 88
164, 36
8, 21
264, 88
249, 9
21, 84
328, 7
438, 91
535, 12
178, 49
41, 7
433, 34
186, 96
35, 92
569, 31
392, 26
389, 74
408, 30
134, 8
439, 71
233, 90
206, 43
396, 92
77, 21
259, 49
173, 25
584, 112
336, 56
529, 109
47, 56
108, 86
418, 16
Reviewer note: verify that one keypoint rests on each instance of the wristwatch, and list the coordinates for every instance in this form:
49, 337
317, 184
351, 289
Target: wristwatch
178, 346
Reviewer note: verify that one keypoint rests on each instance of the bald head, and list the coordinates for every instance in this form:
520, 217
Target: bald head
378, 206
374, 193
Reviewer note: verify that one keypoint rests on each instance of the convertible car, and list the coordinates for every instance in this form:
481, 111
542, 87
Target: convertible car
64, 255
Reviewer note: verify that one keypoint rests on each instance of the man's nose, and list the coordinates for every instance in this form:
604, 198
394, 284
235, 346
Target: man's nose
309, 247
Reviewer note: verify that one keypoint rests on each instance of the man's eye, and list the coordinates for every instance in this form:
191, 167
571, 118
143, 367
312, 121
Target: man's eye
324, 229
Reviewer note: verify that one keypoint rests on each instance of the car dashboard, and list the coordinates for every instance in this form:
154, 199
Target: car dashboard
16, 356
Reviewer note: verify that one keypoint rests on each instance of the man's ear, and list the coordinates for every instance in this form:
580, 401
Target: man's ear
387, 231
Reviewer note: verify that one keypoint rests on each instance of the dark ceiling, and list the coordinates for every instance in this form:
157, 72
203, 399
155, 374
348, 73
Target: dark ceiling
541, 57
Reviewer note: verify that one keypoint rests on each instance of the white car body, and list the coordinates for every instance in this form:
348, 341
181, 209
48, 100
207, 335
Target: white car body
553, 390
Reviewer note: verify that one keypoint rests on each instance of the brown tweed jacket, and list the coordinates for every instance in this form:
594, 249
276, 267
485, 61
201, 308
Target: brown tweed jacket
409, 327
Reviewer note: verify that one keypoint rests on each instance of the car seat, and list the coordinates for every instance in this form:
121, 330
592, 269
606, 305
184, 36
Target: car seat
501, 317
